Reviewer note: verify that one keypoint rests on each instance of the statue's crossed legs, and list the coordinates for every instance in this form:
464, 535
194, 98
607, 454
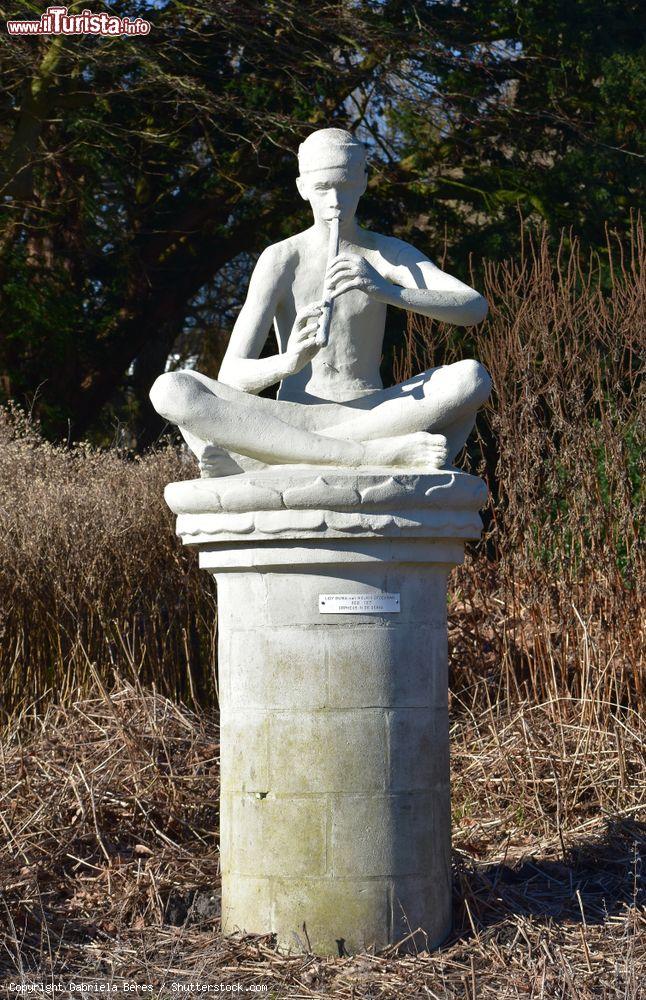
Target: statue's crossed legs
421, 423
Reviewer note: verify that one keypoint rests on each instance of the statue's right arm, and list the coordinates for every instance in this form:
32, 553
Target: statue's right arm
242, 366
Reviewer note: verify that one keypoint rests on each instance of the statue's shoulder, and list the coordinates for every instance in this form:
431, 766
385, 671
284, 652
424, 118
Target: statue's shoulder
283, 253
395, 252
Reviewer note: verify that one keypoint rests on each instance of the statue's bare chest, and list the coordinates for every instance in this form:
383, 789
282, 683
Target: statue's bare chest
352, 310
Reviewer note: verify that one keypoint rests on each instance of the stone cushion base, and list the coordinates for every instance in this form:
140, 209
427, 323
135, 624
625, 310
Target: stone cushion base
307, 502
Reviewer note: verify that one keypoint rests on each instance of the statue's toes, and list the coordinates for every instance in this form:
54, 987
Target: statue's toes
438, 451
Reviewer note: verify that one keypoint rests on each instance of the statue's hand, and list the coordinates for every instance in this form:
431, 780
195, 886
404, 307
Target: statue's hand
302, 346
350, 270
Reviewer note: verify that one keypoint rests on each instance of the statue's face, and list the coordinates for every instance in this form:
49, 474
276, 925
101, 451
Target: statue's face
333, 192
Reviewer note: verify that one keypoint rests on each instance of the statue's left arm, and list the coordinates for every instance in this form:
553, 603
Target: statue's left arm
412, 281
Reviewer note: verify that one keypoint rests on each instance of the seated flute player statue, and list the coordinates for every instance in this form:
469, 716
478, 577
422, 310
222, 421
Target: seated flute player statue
334, 760
329, 313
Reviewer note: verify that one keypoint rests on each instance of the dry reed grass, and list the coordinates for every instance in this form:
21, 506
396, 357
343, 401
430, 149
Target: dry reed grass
553, 596
110, 865
91, 574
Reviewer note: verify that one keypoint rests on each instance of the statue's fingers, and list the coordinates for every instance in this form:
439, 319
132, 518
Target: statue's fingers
348, 286
303, 333
340, 265
314, 317
342, 257
345, 273
345, 286
311, 344
311, 309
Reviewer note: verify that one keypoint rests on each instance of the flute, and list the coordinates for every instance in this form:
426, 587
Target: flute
323, 332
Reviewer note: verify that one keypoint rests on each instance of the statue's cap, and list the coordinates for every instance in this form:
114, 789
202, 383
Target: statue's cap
329, 148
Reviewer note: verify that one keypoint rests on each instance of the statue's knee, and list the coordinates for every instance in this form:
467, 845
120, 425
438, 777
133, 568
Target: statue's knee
172, 394
161, 394
474, 381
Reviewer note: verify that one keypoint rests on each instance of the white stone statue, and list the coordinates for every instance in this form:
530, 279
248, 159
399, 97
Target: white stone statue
332, 409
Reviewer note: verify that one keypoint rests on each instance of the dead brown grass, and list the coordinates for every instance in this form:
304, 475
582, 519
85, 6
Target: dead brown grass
91, 574
110, 865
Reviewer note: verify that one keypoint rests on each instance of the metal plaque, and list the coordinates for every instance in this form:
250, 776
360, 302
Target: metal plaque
359, 604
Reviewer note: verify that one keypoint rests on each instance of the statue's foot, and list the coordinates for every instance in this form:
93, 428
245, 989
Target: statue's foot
417, 451
215, 462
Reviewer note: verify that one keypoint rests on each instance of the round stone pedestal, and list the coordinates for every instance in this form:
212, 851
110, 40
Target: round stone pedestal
335, 804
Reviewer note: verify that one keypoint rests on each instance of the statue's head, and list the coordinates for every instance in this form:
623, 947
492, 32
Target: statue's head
332, 173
